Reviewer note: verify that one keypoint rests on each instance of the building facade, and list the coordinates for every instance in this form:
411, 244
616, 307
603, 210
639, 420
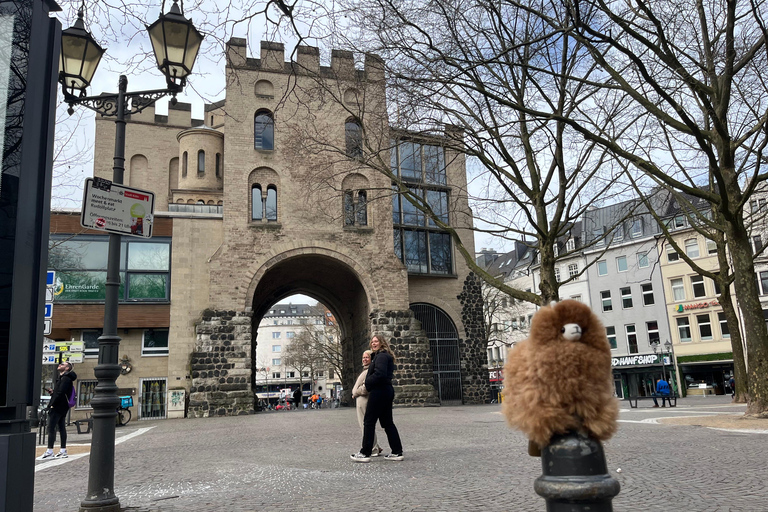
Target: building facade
256, 205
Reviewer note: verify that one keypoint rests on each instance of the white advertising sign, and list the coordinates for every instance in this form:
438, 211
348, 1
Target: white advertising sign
117, 209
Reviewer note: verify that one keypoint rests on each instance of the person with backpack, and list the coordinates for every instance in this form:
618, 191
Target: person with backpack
63, 396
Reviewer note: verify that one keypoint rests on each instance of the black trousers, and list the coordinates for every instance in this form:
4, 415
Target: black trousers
380, 409
58, 421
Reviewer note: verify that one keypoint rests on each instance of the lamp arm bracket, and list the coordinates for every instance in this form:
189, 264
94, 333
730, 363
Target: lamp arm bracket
106, 104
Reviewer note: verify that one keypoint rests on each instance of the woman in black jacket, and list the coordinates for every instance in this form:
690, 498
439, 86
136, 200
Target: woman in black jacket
380, 397
58, 408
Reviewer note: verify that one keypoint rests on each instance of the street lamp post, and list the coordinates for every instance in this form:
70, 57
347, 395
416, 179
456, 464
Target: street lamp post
175, 42
657, 351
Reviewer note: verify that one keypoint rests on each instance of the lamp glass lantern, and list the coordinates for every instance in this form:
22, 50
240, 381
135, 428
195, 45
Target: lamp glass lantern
176, 42
79, 58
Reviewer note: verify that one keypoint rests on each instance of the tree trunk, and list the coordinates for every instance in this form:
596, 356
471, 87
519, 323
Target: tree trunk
739, 366
755, 331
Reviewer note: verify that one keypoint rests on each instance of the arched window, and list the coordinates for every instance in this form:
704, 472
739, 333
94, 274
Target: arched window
354, 138
201, 163
263, 130
257, 204
271, 207
218, 165
362, 208
184, 165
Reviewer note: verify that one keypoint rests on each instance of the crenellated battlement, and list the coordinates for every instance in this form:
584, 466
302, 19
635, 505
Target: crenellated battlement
179, 115
307, 61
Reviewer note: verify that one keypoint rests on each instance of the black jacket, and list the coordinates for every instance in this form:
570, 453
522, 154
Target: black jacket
297, 396
380, 371
61, 391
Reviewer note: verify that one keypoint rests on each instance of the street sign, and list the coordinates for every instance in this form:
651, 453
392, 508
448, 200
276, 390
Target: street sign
47, 326
48, 310
64, 346
117, 209
48, 294
50, 278
66, 357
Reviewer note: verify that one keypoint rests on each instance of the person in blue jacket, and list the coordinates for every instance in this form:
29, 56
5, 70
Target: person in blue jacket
381, 395
662, 390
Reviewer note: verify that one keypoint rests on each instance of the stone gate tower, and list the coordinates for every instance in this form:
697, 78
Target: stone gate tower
283, 189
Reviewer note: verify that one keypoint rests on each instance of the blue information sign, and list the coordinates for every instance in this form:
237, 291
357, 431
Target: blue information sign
50, 278
48, 310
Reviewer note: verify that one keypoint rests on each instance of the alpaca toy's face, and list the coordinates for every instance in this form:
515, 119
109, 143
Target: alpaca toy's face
568, 321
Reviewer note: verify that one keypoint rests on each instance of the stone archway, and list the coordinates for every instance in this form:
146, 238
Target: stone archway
222, 365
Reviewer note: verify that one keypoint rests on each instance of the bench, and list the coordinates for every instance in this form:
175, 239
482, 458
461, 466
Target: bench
671, 398
79, 424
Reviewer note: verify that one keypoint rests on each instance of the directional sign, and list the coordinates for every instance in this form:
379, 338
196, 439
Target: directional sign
117, 209
50, 278
48, 310
47, 326
64, 346
65, 357
49, 294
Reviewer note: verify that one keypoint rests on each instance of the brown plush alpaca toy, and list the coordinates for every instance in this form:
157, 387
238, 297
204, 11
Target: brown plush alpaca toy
560, 378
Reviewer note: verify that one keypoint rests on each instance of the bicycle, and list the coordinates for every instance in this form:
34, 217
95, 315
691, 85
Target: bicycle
123, 412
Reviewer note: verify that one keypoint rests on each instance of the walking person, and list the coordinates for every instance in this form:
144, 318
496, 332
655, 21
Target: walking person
732, 385
381, 394
58, 408
297, 398
360, 394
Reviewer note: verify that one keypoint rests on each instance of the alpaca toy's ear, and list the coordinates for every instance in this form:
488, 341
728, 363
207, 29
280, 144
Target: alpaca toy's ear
552, 304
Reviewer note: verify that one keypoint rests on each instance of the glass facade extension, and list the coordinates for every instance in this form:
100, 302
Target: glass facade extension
80, 263
419, 243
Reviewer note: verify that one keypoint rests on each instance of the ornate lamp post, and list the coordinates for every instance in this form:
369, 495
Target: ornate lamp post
655, 347
176, 42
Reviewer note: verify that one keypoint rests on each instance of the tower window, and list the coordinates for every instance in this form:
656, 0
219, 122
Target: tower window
263, 130
201, 163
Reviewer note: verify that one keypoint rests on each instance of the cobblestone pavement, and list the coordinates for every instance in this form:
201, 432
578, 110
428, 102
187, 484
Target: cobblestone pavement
457, 459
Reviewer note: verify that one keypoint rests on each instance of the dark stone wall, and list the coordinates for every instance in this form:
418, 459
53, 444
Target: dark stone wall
413, 380
474, 370
221, 365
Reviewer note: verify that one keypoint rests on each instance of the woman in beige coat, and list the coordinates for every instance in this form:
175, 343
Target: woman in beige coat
361, 395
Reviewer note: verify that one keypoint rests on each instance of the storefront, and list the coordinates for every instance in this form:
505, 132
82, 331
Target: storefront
704, 376
636, 375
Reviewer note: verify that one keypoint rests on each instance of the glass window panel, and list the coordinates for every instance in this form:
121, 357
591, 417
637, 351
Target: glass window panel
362, 208
271, 203
642, 259
415, 250
621, 263
155, 342
697, 283
395, 206
705, 326
349, 208
85, 392
648, 299
149, 256
147, 286
412, 216
438, 202
602, 268
410, 161
218, 165
692, 248
611, 332
184, 165
434, 165
78, 255
684, 329
263, 131
678, 289
398, 245
605, 297
201, 162
91, 341
626, 298
440, 253
354, 139
393, 157
257, 205
723, 325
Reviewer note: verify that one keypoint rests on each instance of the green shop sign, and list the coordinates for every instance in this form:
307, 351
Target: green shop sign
80, 285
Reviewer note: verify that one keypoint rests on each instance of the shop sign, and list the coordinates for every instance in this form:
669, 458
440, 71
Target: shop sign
496, 375
84, 285
636, 360
696, 305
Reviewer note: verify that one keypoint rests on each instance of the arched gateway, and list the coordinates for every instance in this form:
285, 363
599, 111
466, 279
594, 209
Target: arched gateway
272, 194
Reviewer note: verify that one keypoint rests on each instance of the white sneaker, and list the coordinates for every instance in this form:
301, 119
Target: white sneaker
359, 457
62, 454
47, 455
394, 456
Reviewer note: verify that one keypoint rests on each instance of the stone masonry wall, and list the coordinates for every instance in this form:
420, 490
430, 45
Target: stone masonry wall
221, 365
474, 371
414, 375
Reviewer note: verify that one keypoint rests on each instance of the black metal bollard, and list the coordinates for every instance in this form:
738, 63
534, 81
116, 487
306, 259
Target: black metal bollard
575, 475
